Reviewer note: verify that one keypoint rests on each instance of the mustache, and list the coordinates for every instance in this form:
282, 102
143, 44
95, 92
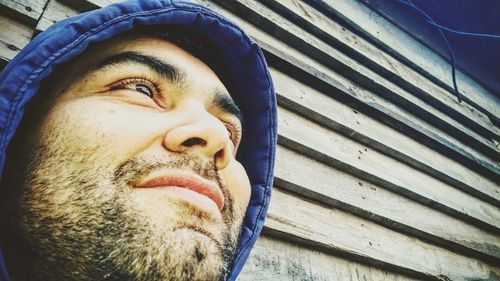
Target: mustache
136, 168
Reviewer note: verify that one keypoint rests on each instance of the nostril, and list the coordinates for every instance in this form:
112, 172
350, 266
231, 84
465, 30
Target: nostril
220, 159
194, 141
219, 154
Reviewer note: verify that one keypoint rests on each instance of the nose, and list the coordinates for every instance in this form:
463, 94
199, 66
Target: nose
200, 132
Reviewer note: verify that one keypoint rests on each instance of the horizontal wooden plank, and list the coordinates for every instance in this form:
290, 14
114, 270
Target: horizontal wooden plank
393, 40
369, 55
28, 11
321, 183
54, 12
343, 233
336, 150
85, 5
275, 260
300, 98
296, 64
383, 111
308, 44
14, 35
100, 3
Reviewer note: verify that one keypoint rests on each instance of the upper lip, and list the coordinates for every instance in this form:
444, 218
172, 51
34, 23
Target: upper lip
186, 180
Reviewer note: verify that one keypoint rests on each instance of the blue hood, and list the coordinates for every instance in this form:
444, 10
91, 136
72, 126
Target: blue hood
243, 60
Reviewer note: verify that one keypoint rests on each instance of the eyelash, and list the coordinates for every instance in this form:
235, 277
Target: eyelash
125, 85
234, 133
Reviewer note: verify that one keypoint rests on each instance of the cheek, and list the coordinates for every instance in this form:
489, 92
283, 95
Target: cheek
237, 181
122, 130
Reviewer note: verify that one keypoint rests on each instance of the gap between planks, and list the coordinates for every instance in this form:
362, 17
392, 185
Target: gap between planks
314, 180
335, 231
359, 49
405, 48
337, 116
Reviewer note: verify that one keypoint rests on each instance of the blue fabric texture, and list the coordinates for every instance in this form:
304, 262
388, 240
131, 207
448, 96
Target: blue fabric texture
243, 59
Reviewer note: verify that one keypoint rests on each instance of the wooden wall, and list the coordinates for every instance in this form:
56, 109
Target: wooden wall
381, 173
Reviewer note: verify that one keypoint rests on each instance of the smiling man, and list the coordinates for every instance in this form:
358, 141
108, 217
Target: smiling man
146, 150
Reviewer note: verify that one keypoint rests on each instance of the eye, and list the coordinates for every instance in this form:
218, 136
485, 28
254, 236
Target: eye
140, 85
230, 133
234, 133
144, 89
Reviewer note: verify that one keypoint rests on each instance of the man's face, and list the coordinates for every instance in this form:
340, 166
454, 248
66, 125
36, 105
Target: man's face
131, 172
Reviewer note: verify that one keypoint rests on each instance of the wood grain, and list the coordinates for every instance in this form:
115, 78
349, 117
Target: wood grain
55, 12
28, 11
367, 187
396, 42
335, 188
380, 62
14, 35
484, 100
343, 153
275, 260
345, 234
321, 109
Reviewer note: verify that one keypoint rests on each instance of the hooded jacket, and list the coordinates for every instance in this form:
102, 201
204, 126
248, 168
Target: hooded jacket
242, 59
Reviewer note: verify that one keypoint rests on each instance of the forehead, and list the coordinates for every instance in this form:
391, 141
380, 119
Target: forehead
194, 70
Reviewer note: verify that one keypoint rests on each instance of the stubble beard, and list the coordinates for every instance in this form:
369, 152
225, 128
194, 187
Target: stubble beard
73, 220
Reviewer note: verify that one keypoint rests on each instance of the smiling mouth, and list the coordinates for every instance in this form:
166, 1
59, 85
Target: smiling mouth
187, 180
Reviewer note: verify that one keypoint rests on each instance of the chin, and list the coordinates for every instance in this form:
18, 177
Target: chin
185, 253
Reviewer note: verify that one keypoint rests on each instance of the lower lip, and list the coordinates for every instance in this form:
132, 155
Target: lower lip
184, 194
190, 182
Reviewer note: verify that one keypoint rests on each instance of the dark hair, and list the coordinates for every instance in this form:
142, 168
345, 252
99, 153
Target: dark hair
197, 45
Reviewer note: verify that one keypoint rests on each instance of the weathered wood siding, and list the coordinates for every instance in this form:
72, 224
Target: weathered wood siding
381, 173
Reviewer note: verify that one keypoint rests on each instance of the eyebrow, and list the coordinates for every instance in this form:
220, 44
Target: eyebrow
225, 103
166, 70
